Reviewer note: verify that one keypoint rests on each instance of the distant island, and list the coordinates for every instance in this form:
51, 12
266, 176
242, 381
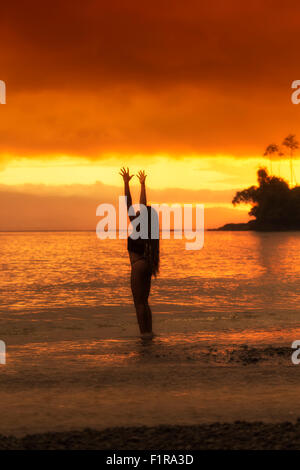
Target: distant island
275, 206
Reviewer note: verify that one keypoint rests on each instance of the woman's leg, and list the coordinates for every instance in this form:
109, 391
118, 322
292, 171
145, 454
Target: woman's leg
140, 286
149, 313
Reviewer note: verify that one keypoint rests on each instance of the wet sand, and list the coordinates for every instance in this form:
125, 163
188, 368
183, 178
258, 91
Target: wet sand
216, 436
179, 380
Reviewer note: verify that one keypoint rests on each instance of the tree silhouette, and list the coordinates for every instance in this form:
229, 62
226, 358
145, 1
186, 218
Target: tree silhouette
292, 144
280, 154
270, 152
275, 206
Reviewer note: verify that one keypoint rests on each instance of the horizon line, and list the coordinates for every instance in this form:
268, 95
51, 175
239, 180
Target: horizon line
78, 230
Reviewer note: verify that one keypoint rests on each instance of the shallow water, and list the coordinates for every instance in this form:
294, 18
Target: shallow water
234, 273
225, 318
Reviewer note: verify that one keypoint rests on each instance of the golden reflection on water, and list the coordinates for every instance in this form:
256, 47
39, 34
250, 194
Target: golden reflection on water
240, 288
43, 270
69, 355
236, 337
69, 325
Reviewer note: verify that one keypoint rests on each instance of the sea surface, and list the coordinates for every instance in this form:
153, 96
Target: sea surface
224, 317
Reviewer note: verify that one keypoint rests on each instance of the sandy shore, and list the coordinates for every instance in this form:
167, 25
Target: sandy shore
226, 436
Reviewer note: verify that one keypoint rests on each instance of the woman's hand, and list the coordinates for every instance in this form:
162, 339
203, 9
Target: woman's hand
141, 176
125, 174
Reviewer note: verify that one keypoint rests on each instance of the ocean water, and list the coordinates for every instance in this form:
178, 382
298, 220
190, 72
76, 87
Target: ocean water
224, 318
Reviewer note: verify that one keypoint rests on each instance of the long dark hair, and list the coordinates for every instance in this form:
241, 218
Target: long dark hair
152, 242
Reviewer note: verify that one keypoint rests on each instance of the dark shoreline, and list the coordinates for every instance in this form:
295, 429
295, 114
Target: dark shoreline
239, 435
252, 226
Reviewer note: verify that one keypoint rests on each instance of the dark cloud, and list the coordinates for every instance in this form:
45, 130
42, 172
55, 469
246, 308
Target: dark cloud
144, 77
83, 44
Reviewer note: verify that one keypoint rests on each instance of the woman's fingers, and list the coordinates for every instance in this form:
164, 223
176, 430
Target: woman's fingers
125, 173
141, 175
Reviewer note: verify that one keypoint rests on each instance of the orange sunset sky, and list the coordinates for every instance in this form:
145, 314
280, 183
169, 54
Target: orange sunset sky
191, 91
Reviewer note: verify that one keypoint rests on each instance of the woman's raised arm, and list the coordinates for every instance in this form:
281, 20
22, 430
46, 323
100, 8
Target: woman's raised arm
126, 178
142, 178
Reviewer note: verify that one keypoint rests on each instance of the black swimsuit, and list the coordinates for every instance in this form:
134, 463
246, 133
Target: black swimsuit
136, 246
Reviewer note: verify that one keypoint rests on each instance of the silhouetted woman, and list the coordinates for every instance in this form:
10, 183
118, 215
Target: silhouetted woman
144, 256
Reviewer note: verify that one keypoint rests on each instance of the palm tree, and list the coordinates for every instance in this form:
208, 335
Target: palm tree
280, 154
292, 144
270, 151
